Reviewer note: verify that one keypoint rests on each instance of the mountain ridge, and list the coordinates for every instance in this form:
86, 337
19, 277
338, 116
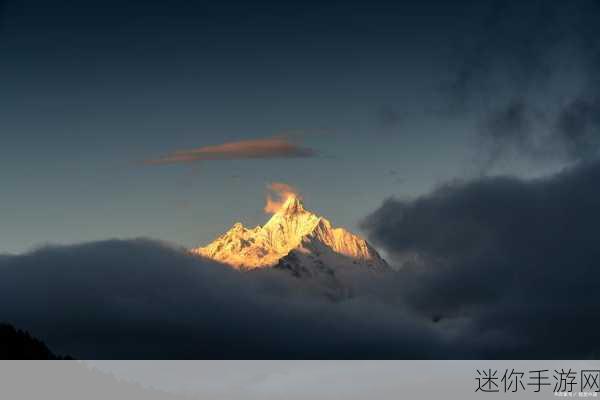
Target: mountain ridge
293, 238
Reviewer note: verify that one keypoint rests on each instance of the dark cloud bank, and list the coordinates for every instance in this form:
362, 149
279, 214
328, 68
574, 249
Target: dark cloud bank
142, 299
516, 260
493, 268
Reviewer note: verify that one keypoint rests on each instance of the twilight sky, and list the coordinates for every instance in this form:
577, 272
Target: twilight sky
354, 101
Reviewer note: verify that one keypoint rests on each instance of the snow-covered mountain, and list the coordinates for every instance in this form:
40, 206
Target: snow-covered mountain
294, 239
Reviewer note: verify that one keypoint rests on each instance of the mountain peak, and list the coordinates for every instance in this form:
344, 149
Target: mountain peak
292, 205
292, 234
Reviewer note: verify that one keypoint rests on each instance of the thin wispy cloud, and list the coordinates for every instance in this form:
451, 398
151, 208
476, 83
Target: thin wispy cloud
266, 148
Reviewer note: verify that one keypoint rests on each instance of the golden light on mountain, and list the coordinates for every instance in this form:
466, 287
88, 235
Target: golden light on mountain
293, 237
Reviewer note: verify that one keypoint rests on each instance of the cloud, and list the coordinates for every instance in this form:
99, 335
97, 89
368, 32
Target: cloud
530, 78
141, 299
515, 260
276, 147
578, 125
279, 193
571, 133
507, 130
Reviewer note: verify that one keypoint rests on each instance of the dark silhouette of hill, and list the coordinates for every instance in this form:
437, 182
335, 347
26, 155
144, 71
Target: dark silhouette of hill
20, 345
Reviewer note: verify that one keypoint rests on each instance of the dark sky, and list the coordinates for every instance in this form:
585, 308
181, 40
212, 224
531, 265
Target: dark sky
392, 98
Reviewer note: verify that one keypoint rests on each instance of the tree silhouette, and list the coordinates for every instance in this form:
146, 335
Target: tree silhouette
20, 345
